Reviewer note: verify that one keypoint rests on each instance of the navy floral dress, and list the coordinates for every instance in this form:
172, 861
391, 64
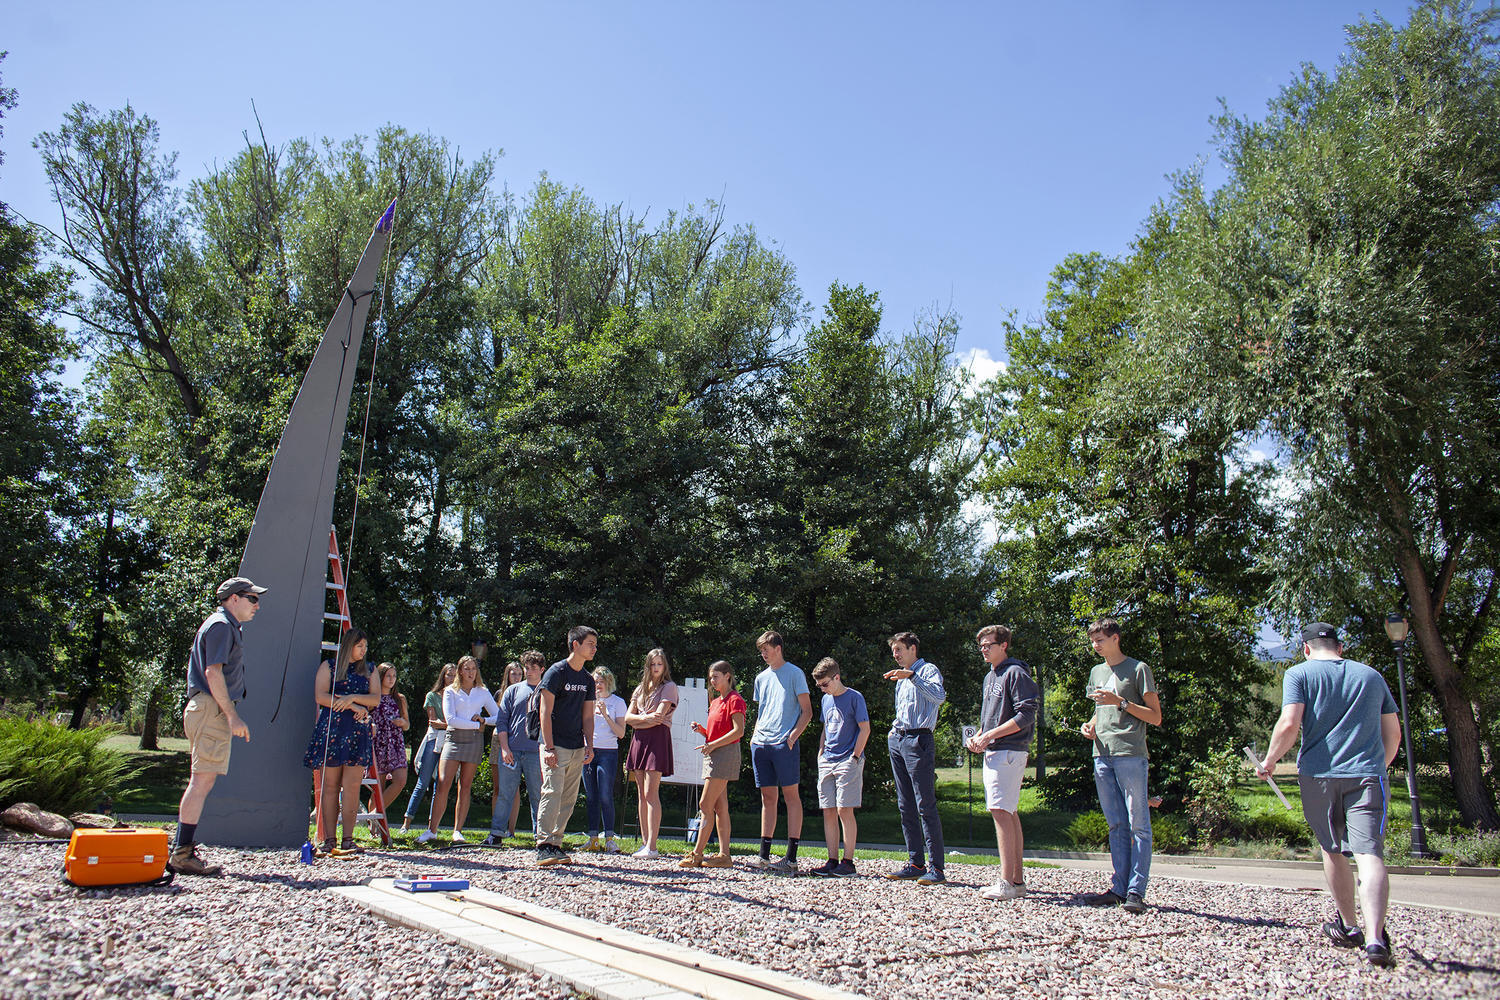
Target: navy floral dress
347, 741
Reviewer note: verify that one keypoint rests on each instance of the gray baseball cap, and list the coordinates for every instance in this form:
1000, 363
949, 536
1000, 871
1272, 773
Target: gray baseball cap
237, 585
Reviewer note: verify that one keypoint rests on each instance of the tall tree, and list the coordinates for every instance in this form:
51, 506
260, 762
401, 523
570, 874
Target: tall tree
1347, 297
37, 452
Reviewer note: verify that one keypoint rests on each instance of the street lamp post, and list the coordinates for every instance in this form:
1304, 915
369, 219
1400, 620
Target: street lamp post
1396, 628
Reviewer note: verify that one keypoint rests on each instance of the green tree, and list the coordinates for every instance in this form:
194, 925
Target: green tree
37, 452
1344, 298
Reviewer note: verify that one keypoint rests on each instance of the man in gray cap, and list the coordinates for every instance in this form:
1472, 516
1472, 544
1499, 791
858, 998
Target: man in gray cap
1350, 732
215, 684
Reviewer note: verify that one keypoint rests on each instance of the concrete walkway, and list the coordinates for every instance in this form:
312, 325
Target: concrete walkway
1459, 893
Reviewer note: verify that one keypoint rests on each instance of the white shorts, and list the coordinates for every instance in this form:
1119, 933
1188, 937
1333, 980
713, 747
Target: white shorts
1003, 771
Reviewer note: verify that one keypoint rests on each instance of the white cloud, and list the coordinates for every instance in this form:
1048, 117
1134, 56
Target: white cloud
983, 367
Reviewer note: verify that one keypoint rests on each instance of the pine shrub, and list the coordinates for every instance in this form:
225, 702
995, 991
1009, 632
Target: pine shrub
61, 770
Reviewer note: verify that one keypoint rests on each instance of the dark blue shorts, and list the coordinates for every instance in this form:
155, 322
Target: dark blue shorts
775, 765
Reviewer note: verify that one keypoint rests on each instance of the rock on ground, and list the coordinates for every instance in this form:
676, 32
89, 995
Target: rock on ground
265, 929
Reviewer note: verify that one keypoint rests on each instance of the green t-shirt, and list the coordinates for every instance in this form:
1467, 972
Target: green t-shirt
1117, 733
435, 702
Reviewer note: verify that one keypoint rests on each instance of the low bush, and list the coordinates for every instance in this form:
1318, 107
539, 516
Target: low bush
1277, 826
61, 770
1211, 805
1168, 835
1089, 830
1471, 848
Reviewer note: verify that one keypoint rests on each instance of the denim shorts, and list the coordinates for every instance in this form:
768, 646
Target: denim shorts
775, 765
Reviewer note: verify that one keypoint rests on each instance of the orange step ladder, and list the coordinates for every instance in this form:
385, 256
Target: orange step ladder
376, 816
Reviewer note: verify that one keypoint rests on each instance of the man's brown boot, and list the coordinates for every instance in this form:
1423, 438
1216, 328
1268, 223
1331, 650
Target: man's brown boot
185, 861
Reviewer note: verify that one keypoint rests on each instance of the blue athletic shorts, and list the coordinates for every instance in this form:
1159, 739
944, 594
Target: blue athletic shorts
775, 765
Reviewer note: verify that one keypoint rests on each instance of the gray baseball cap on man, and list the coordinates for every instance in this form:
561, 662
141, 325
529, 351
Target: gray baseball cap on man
237, 585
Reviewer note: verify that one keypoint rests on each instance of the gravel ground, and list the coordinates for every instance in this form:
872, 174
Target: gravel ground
865, 935
264, 930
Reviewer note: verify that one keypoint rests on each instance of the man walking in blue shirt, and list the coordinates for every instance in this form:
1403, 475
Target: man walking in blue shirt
1350, 733
919, 694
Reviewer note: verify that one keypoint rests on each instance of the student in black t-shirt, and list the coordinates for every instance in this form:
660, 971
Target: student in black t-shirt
567, 693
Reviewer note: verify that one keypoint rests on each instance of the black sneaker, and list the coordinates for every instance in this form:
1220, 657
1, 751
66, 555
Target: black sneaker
828, 868
1341, 935
1134, 903
1378, 953
1106, 898
492, 841
845, 869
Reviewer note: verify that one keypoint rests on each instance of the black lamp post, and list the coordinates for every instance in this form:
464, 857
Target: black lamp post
1396, 628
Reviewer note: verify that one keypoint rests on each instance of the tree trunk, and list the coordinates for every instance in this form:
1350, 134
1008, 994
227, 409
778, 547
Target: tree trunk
1465, 766
91, 664
152, 721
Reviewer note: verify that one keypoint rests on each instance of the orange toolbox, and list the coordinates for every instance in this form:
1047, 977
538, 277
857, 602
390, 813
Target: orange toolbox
123, 856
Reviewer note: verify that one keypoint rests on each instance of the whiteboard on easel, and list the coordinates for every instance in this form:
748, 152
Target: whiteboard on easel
692, 706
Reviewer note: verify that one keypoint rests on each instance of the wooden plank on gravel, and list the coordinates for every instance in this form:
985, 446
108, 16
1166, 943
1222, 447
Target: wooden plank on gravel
689, 970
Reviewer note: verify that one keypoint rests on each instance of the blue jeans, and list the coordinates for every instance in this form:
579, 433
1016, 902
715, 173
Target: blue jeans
599, 777
1121, 782
914, 765
427, 759
529, 764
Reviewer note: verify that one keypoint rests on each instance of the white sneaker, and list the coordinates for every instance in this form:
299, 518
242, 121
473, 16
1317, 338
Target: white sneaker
459, 838
611, 846
1005, 890
756, 861
425, 836
646, 852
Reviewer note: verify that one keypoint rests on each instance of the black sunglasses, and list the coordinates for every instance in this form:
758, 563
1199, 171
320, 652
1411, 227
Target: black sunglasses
252, 598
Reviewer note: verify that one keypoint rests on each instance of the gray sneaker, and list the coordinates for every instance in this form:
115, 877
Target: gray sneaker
933, 877
781, 866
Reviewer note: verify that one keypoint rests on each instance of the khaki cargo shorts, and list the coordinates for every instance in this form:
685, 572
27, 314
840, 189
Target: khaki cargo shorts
207, 730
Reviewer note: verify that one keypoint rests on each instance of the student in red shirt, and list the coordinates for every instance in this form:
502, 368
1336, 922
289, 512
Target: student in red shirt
721, 765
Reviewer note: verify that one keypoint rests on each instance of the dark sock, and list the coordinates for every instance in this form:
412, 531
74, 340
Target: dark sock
791, 848
185, 833
765, 848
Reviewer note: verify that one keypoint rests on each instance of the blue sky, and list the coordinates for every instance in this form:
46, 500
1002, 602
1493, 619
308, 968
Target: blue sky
943, 153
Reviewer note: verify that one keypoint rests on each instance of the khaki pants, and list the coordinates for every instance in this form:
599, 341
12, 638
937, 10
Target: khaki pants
559, 794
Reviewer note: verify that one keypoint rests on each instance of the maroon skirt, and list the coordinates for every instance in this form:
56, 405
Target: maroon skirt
651, 750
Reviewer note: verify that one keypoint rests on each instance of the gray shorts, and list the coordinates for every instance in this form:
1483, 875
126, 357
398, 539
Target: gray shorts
842, 783
1347, 815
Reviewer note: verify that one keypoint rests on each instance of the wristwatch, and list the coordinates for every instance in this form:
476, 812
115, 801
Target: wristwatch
1124, 704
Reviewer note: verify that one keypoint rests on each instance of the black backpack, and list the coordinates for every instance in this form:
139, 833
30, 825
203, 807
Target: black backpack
534, 714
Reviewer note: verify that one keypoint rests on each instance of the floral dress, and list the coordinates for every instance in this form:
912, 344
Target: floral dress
390, 741
345, 741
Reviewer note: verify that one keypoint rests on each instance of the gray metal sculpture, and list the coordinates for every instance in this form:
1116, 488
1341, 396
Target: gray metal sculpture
263, 801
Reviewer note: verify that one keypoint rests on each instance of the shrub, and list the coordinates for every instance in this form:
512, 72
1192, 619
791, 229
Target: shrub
61, 770
1211, 805
1168, 835
1277, 826
1089, 829
1472, 848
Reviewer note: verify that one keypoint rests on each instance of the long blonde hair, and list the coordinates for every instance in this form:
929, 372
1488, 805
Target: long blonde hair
458, 674
648, 685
